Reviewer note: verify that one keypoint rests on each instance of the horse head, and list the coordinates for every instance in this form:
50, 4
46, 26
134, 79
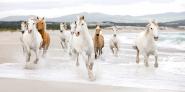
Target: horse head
98, 29
81, 26
114, 29
73, 27
62, 27
152, 29
41, 24
24, 26
31, 24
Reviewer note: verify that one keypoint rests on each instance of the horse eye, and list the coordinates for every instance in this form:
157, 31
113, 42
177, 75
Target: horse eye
82, 24
151, 28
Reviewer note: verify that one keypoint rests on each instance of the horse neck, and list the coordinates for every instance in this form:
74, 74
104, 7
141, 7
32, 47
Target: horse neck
149, 36
34, 32
86, 32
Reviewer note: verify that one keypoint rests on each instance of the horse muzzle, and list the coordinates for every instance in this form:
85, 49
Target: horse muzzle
22, 31
156, 38
29, 31
72, 33
77, 34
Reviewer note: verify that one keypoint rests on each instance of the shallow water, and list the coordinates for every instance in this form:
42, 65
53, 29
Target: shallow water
109, 70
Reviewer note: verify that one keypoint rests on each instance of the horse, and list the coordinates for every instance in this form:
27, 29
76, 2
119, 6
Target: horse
65, 36
32, 40
83, 44
114, 42
41, 27
145, 43
24, 28
72, 31
98, 41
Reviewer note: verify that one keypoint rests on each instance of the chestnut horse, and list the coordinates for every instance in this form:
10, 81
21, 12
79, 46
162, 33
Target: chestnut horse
98, 41
41, 26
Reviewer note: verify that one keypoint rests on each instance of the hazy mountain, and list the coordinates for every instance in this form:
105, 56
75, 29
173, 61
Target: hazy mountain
16, 18
99, 17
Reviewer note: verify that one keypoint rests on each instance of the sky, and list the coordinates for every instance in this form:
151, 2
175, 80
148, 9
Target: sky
57, 8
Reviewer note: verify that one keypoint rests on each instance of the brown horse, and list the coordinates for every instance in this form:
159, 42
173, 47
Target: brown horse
41, 26
98, 42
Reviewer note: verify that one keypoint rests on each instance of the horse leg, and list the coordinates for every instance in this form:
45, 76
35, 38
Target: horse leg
89, 66
112, 49
45, 50
146, 60
156, 62
46, 46
62, 44
37, 56
137, 57
99, 51
116, 53
77, 58
95, 52
28, 56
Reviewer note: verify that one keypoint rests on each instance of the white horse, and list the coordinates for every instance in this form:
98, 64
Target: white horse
83, 44
24, 28
114, 42
72, 31
145, 43
32, 40
65, 36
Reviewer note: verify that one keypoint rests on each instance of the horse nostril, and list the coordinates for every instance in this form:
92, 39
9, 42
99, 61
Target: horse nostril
114, 35
29, 31
78, 33
97, 34
61, 31
156, 38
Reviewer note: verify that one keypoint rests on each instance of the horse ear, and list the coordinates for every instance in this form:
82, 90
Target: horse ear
43, 18
24, 22
82, 18
37, 18
155, 22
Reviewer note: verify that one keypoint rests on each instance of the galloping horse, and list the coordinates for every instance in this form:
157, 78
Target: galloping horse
65, 36
98, 41
32, 40
24, 27
83, 43
41, 26
114, 42
146, 43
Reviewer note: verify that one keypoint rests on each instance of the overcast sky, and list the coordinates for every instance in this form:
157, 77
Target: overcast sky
56, 8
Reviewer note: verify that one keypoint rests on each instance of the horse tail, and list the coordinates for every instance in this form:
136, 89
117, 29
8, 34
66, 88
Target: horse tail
134, 47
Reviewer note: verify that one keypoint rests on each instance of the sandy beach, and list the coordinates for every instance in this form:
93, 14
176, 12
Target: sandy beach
57, 71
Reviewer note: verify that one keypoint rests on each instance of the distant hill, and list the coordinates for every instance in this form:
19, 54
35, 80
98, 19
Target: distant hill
16, 18
100, 17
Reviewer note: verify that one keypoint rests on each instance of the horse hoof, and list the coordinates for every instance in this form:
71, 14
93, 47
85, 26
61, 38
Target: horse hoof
137, 61
146, 64
156, 65
91, 77
43, 55
77, 64
36, 61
